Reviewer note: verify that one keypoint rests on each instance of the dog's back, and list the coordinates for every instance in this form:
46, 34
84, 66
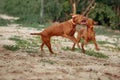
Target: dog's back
57, 29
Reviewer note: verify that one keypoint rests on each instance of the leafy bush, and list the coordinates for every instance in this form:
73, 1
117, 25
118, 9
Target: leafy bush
105, 16
58, 10
27, 10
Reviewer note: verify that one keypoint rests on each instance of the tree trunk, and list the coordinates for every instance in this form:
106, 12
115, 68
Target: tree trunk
118, 11
73, 5
89, 7
90, 10
41, 11
83, 7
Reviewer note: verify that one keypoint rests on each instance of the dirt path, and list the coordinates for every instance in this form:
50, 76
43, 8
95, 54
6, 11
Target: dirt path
66, 65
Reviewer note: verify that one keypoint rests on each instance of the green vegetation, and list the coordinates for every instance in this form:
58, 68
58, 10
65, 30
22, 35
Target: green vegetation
68, 49
112, 48
100, 30
96, 54
105, 13
4, 22
27, 45
11, 47
89, 52
36, 26
110, 33
103, 42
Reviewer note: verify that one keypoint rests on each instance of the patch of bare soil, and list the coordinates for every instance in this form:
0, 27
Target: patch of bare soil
65, 65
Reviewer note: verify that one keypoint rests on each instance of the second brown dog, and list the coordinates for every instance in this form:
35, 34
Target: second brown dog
88, 34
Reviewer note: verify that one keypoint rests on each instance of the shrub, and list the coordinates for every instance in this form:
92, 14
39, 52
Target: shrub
105, 16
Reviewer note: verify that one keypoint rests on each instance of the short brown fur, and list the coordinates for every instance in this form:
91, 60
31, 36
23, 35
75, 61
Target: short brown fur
64, 29
88, 34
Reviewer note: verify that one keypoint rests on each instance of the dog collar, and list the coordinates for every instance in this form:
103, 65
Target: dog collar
73, 22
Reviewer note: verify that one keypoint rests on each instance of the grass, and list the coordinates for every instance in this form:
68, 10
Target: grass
100, 30
112, 48
96, 54
111, 33
36, 25
11, 47
4, 22
116, 48
27, 45
89, 52
104, 42
116, 44
68, 49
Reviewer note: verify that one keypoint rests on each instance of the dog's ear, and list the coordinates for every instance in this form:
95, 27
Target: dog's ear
73, 15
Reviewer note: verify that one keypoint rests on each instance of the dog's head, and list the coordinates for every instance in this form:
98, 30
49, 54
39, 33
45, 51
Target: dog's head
90, 22
78, 19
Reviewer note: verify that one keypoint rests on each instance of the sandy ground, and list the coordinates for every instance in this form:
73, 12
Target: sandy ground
66, 65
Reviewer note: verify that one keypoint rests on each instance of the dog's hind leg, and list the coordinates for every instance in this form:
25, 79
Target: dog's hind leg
42, 46
46, 41
72, 38
49, 47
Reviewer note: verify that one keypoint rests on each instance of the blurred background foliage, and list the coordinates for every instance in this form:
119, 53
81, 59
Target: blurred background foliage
106, 12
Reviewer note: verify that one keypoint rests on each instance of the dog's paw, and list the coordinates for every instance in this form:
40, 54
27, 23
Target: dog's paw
97, 49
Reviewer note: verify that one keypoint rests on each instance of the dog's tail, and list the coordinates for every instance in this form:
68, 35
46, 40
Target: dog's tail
35, 33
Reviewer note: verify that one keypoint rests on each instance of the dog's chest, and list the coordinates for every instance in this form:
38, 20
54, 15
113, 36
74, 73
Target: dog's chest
71, 31
90, 35
69, 28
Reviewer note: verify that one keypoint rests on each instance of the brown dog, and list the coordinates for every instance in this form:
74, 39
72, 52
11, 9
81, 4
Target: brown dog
88, 34
64, 29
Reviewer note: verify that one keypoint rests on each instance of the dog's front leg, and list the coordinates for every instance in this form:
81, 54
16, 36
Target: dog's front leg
73, 47
79, 36
72, 38
95, 43
83, 44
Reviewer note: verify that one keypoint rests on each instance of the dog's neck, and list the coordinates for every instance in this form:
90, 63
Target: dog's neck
72, 22
90, 29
